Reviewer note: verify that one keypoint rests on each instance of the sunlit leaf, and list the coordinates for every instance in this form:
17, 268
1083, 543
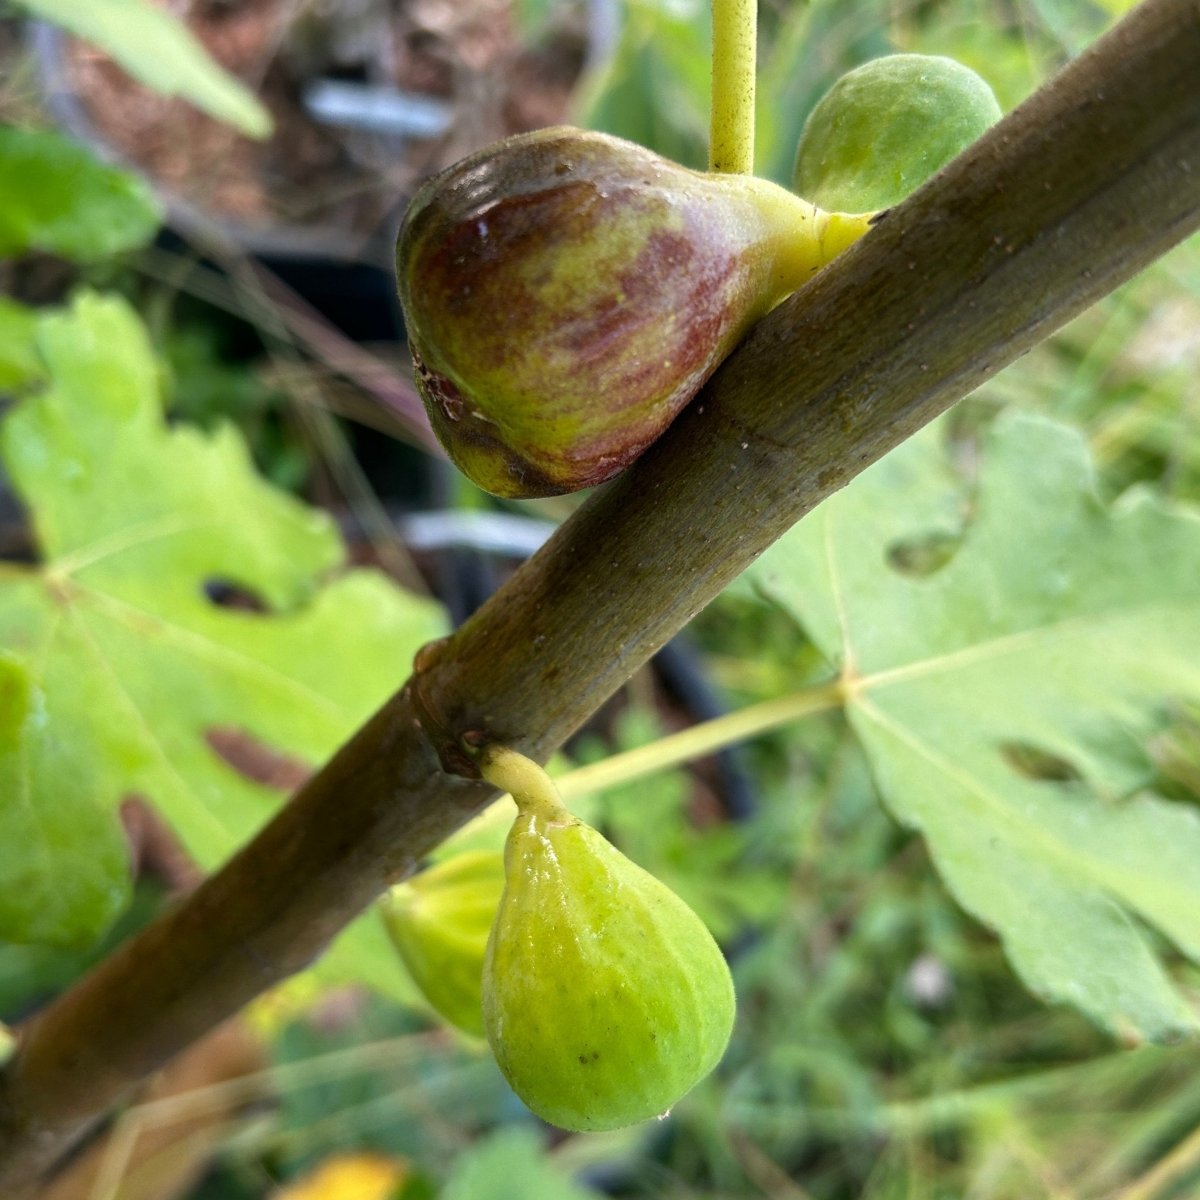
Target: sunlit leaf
59, 199
511, 1163
1005, 696
121, 674
19, 363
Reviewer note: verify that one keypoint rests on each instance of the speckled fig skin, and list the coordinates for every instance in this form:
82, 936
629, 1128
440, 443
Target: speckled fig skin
605, 998
566, 293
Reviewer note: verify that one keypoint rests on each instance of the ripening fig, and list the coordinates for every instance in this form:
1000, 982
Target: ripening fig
567, 293
439, 922
605, 998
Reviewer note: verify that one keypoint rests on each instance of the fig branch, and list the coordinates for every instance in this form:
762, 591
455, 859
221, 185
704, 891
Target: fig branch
1081, 187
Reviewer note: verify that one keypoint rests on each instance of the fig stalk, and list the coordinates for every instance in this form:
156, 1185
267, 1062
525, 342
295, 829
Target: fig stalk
734, 65
532, 790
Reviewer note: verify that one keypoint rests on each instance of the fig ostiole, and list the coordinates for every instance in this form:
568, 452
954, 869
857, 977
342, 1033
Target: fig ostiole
605, 997
439, 922
566, 293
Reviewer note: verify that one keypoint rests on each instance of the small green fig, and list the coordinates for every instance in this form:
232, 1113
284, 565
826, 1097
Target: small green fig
605, 998
886, 127
439, 922
567, 293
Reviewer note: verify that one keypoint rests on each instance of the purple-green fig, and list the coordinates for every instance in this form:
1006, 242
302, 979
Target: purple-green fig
605, 998
567, 293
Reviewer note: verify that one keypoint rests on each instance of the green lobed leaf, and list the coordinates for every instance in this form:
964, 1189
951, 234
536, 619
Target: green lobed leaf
511, 1163
58, 198
157, 49
1005, 698
19, 365
120, 675
886, 127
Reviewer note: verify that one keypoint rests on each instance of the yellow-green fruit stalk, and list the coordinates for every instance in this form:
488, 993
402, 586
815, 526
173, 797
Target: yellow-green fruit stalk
605, 998
439, 922
566, 293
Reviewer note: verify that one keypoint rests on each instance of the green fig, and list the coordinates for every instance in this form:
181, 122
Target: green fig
567, 293
605, 998
439, 922
887, 126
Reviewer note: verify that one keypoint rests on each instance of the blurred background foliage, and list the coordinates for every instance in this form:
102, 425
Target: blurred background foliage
884, 1049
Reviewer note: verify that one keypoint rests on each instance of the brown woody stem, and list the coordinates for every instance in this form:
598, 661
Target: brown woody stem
1073, 193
